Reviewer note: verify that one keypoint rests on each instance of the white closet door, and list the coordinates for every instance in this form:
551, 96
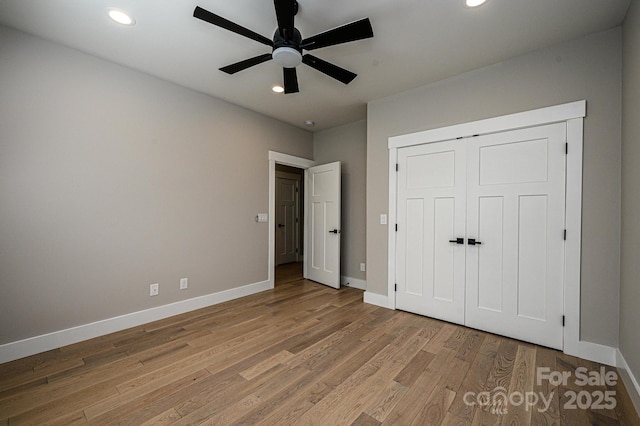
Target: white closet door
431, 213
516, 210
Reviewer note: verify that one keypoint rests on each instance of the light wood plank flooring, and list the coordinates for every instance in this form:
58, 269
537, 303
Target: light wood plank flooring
288, 272
299, 354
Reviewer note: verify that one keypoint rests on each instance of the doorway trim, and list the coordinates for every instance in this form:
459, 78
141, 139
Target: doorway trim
573, 115
287, 160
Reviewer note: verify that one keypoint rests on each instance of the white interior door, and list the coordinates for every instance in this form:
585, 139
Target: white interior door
322, 215
287, 211
431, 220
516, 210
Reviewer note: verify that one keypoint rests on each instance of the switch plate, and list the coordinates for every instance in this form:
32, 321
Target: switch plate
262, 218
154, 289
383, 219
184, 283
363, 267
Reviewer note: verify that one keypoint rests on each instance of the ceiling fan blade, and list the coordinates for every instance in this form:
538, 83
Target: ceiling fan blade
329, 69
285, 11
247, 63
357, 30
290, 80
221, 22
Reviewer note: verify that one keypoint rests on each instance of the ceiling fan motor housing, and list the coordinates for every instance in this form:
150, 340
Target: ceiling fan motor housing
287, 52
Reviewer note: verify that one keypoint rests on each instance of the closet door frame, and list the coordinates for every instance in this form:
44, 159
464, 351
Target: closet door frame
573, 115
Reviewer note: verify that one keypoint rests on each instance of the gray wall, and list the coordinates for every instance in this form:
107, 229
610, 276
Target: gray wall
630, 284
348, 144
588, 68
111, 180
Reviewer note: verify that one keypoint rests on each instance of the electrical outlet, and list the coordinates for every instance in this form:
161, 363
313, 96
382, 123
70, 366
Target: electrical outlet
363, 267
184, 283
154, 289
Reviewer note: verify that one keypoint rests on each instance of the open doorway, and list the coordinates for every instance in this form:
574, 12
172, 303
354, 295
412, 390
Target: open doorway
289, 223
321, 224
297, 163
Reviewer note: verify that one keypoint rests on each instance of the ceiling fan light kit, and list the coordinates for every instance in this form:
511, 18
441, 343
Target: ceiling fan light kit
288, 45
287, 57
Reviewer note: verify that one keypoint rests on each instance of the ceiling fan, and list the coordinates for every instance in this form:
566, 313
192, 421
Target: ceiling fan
288, 44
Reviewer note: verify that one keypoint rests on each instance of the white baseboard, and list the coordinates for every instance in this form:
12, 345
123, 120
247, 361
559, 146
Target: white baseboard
592, 351
629, 379
46, 342
353, 282
376, 299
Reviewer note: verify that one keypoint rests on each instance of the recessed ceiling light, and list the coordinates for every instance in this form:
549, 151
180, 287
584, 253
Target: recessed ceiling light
475, 3
278, 89
121, 17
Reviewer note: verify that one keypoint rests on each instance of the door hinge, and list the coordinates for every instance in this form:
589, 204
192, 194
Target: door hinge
396, 227
563, 320
565, 235
566, 148
397, 167
395, 287
297, 220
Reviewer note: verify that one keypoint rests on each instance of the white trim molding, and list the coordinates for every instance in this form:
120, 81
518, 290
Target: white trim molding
46, 342
630, 381
391, 230
536, 117
573, 115
377, 300
353, 282
290, 160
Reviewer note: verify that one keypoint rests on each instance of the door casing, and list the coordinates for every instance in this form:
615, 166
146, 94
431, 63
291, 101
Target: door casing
287, 160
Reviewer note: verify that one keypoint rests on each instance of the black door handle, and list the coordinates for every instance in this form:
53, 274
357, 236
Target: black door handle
280, 225
335, 231
457, 241
473, 242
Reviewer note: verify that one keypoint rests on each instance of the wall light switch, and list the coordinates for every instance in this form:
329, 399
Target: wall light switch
383, 219
262, 217
184, 283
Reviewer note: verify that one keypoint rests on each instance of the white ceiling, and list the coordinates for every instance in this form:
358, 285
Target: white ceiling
416, 42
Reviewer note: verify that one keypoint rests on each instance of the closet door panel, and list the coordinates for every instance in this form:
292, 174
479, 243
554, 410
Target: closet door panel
516, 209
431, 213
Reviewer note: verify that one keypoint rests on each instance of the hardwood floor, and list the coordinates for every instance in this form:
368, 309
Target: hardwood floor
288, 272
299, 354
